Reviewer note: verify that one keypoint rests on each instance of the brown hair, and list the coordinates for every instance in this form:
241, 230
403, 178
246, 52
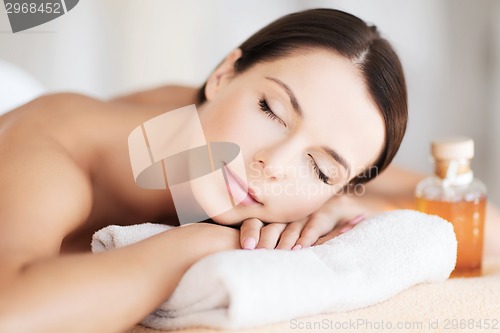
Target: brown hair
352, 38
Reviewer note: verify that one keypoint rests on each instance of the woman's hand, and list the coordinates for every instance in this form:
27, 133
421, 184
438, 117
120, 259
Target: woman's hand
337, 216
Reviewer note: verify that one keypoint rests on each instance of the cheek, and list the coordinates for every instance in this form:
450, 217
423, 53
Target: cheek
226, 122
243, 126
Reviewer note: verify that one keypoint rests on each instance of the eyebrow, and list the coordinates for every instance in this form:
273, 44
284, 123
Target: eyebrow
291, 95
298, 110
339, 159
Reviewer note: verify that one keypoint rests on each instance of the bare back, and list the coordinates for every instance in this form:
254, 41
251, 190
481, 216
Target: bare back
65, 170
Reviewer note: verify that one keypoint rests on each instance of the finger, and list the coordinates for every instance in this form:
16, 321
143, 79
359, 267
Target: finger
269, 235
290, 236
250, 233
352, 223
348, 225
357, 219
343, 228
314, 229
332, 234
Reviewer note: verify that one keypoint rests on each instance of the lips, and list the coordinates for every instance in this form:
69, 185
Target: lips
241, 193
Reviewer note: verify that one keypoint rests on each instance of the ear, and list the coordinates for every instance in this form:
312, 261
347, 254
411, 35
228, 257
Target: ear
221, 74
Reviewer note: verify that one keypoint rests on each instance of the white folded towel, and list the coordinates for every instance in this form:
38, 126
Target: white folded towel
374, 261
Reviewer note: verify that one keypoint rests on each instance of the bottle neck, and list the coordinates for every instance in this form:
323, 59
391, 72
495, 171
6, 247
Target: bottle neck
454, 172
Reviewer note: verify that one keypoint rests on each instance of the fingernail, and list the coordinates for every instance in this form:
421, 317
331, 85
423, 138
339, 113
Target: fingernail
357, 219
249, 243
344, 229
297, 247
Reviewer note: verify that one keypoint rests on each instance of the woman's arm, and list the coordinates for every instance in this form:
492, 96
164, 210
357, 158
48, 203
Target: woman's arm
106, 292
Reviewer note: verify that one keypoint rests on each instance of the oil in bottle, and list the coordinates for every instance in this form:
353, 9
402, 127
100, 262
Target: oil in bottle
455, 195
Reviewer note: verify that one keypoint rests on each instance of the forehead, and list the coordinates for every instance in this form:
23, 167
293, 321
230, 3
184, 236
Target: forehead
338, 110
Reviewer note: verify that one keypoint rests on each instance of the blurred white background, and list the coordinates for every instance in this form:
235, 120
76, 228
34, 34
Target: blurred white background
450, 50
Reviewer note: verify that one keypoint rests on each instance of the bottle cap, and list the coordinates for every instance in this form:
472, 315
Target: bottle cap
450, 148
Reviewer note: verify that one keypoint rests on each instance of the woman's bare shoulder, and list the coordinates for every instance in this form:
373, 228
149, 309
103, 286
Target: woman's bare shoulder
164, 95
62, 109
55, 118
84, 125
44, 193
59, 153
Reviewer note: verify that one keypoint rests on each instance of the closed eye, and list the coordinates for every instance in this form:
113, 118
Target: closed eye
324, 178
267, 110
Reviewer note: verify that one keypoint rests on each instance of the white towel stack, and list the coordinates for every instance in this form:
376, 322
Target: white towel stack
374, 261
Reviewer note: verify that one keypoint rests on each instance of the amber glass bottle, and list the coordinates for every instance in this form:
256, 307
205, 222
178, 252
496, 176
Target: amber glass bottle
454, 194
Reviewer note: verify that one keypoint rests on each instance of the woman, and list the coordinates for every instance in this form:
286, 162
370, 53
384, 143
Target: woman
318, 91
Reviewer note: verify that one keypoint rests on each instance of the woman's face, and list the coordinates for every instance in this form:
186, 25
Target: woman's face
305, 125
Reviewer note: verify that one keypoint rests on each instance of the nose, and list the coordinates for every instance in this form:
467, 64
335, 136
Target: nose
274, 162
